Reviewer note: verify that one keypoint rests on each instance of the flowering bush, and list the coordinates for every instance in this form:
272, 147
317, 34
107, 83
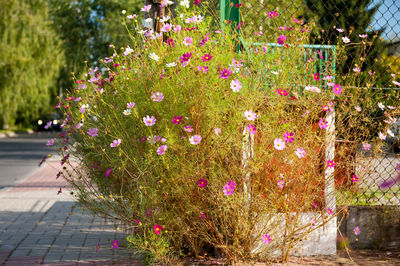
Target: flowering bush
198, 148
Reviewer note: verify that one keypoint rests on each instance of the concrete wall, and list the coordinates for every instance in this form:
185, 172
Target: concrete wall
379, 226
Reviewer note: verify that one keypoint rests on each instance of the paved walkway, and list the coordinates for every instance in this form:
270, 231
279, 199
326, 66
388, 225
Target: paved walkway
38, 226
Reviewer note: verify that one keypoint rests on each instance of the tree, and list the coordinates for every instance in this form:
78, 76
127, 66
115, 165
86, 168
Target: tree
30, 60
353, 16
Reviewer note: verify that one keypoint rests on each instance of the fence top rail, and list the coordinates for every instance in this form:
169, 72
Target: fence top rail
314, 46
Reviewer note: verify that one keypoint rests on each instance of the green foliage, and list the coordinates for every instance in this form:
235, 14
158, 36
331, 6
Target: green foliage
30, 60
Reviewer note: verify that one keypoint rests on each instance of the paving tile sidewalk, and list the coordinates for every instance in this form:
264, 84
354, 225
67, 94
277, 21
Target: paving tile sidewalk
37, 226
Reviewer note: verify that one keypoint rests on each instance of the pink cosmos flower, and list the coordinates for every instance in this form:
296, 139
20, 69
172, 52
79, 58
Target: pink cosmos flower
381, 136
357, 69
250, 115
356, 230
329, 211
282, 92
323, 124
115, 244
340, 30
166, 28
149, 121
203, 216
195, 139
146, 8
229, 188
48, 125
177, 120
345, 39
300, 152
50, 142
316, 77
288, 137
281, 183
202, 182
206, 57
363, 35
354, 178
337, 89
367, 146
115, 143
188, 41
237, 63
217, 131
281, 39
225, 73
236, 85
266, 239
93, 132
188, 128
162, 149
185, 57
202, 69
158, 228
272, 14
108, 172
330, 163
204, 41
157, 96
279, 144
252, 129
130, 105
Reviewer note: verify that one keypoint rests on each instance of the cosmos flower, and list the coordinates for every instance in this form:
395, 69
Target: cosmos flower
312, 89
202, 182
130, 105
382, 136
266, 239
229, 188
236, 85
281, 39
177, 120
250, 115
108, 172
354, 178
206, 57
252, 129
329, 211
162, 149
381, 106
173, 64
157, 96
146, 8
279, 144
366, 146
149, 121
115, 143
281, 183
330, 163
356, 230
288, 137
158, 228
272, 14
50, 142
316, 77
282, 92
323, 124
300, 152
225, 73
93, 132
358, 108
202, 69
154, 56
217, 131
337, 89
185, 57
195, 139
188, 41
188, 128
345, 39
127, 112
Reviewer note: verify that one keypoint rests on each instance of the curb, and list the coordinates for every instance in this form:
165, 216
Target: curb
12, 134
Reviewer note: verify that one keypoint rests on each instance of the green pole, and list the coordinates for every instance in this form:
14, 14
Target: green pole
229, 12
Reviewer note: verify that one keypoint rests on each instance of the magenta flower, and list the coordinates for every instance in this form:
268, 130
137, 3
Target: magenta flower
206, 57
146, 8
300, 152
130, 105
115, 143
108, 172
162, 149
157, 96
323, 124
48, 125
288, 137
354, 178
149, 121
279, 144
93, 132
281, 39
203, 216
195, 139
115, 244
202, 182
202, 69
50, 142
266, 239
337, 89
250, 115
252, 129
188, 41
185, 57
229, 188
316, 76
158, 228
225, 73
329, 211
356, 230
196, 2
272, 14
188, 128
236, 85
204, 41
330, 163
281, 183
177, 120
282, 92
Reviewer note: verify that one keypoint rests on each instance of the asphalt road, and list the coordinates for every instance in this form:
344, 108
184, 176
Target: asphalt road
20, 156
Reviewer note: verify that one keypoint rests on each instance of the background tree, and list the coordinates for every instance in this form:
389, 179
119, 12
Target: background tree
30, 60
355, 17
